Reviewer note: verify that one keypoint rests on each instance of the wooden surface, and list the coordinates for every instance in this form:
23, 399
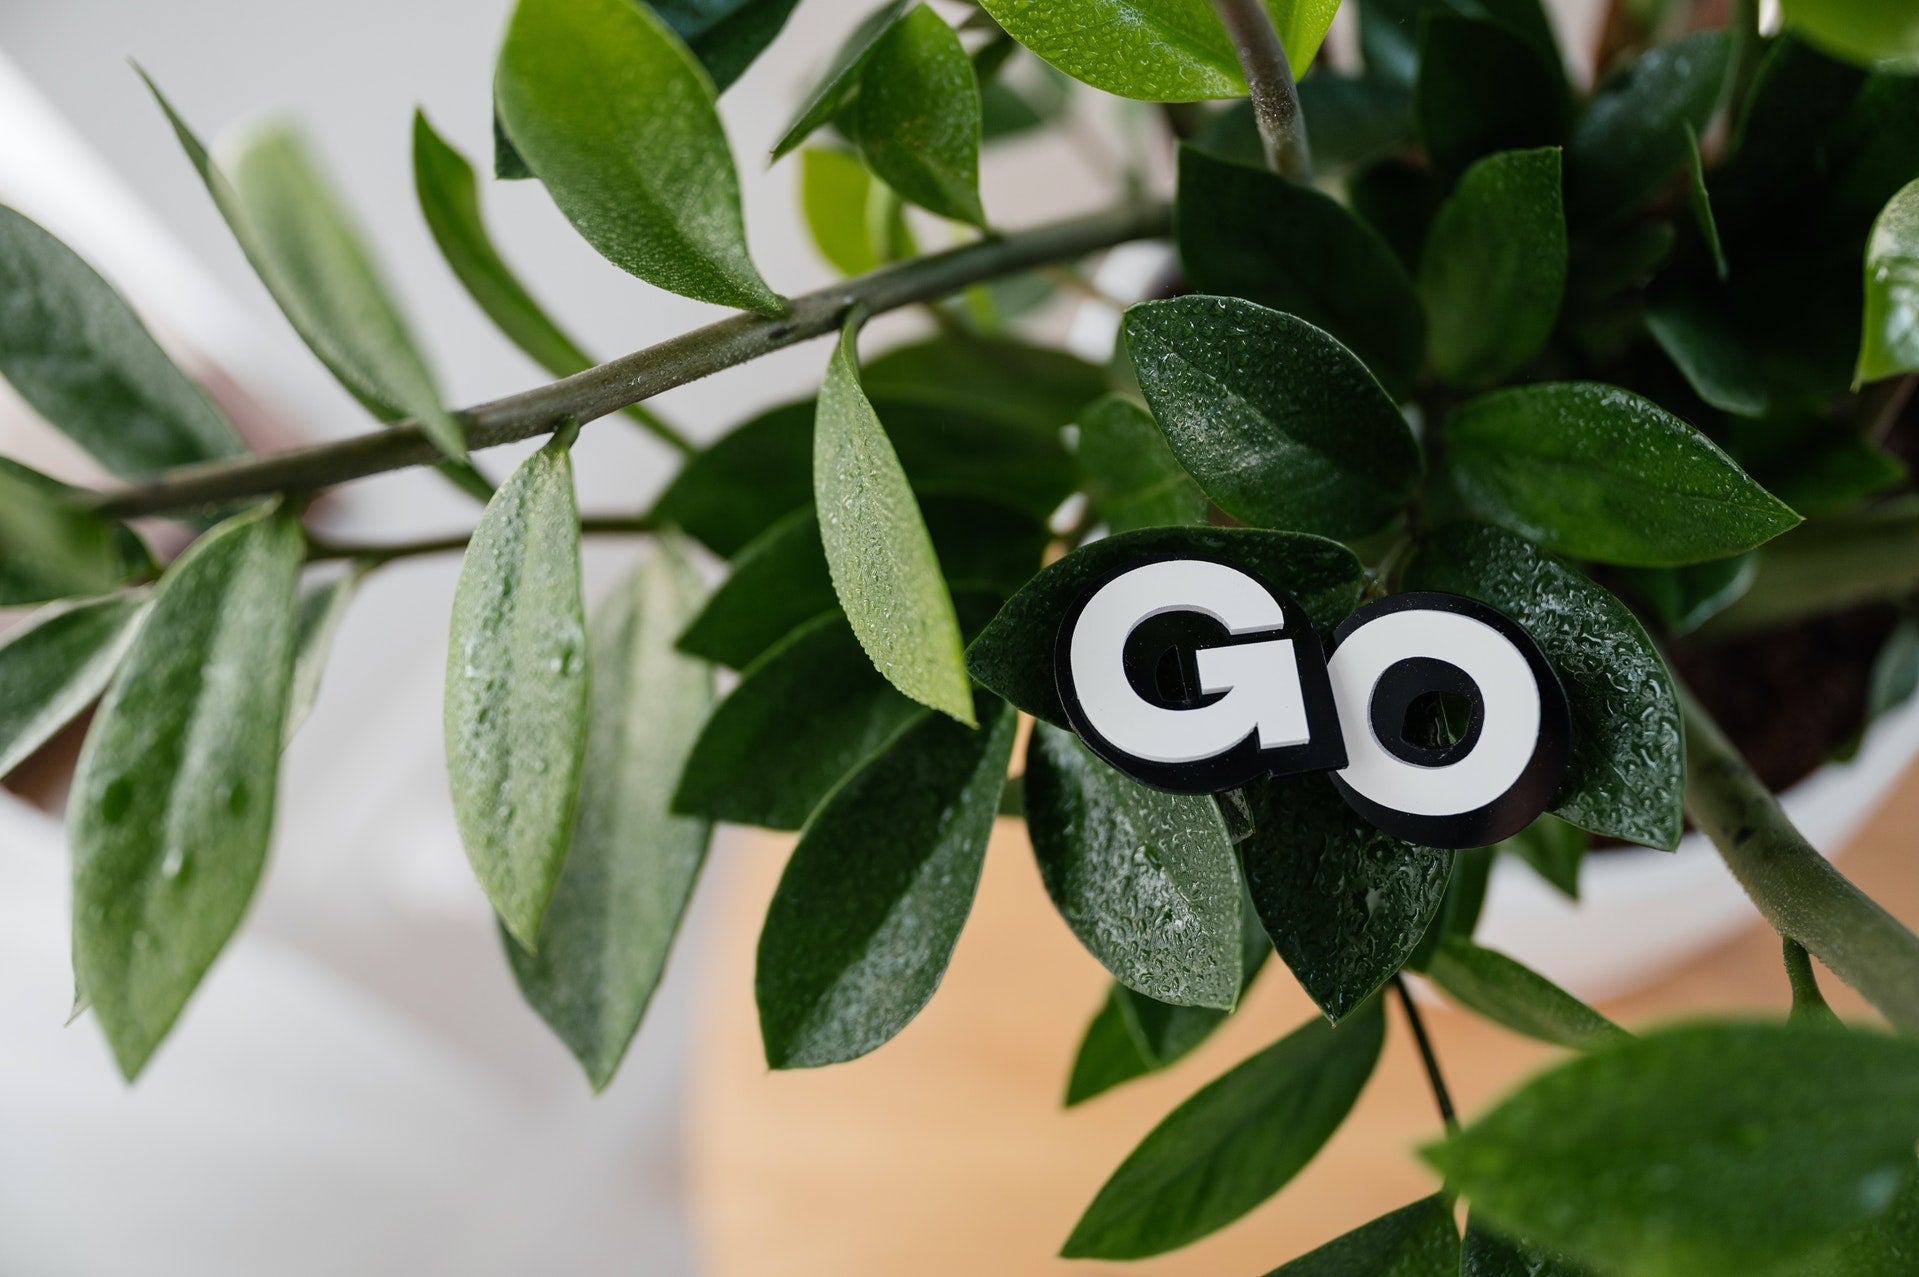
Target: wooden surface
947, 1150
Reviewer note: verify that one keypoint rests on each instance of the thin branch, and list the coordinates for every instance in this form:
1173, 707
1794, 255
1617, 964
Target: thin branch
641, 375
1797, 890
320, 550
1269, 82
1441, 1096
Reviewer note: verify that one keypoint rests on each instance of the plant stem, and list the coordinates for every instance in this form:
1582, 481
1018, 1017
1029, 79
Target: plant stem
1826, 566
1269, 82
629, 379
1441, 1096
320, 550
1808, 1004
1742, 19
1798, 890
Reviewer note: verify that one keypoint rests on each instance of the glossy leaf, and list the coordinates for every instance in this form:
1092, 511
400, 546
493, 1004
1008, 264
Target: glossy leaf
617, 120
1278, 422
1708, 1148
322, 608
1628, 761
1495, 266
1864, 31
1033, 386
842, 80
885, 571
1245, 232
918, 116
517, 689
53, 666
836, 196
81, 358
1483, 88
1389, 30
632, 863
1420, 1240
1013, 655
172, 802
725, 35
1155, 50
1508, 993
1132, 476
1345, 904
872, 901
51, 547
1232, 1145
1108, 1054
1890, 341
1685, 598
1594, 471
1487, 1254
1631, 139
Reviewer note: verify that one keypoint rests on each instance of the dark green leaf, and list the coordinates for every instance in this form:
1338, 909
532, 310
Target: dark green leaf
1145, 879
1554, 848
1345, 904
1014, 654
1278, 422
918, 116
52, 668
1350, 120
81, 358
52, 548
508, 164
1713, 1148
618, 122
1389, 30
632, 863
1108, 1055
1031, 385
803, 716
1133, 478
1895, 672
725, 35
322, 608
1233, 1145
1495, 266
836, 195
1483, 88
1460, 907
1593, 471
517, 689
870, 906
1399, 200
1504, 991
885, 571
1865, 31
1487, 1254
1889, 344
1887, 1247
1685, 598
1631, 139
1015, 100
1420, 1240
172, 802
1701, 200
1628, 762
1245, 232
842, 80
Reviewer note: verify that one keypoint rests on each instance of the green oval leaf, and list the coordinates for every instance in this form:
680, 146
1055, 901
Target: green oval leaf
1631, 138
1509, 993
884, 568
1035, 386
918, 116
517, 689
1232, 1145
1484, 87
1628, 760
1278, 422
172, 801
51, 547
81, 358
618, 122
725, 35
54, 666
1487, 1254
632, 863
1704, 1149
1865, 31
1495, 266
1108, 1053
1131, 474
1596, 472
836, 197
1420, 1240
870, 906
1889, 341
837, 88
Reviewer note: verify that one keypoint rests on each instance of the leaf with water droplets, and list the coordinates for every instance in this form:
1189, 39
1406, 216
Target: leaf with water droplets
1420, 1240
1712, 1148
918, 116
52, 667
1508, 993
517, 688
866, 915
1890, 343
1133, 478
1628, 760
841, 82
172, 801
1630, 139
1487, 1254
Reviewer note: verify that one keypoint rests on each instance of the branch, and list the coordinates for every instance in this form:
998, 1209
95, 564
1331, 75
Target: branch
1269, 82
320, 550
1827, 566
1442, 1098
642, 374
1797, 889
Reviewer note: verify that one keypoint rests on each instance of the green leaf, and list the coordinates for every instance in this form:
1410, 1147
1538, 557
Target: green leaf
1631, 139
1013, 655
1145, 879
1864, 31
872, 901
53, 667
1033, 386
1701, 200
1278, 422
1389, 30
918, 116
1484, 88
1350, 121
836, 196
725, 35
1705, 1149
322, 608
53, 548
1889, 343
1399, 200
806, 714
1245, 232
172, 802
1155, 50
1505, 992
1420, 1240
1345, 904
1594, 471
1495, 266
517, 689
1883, 1248
81, 358
632, 864
1132, 476
884, 568
1685, 598
618, 122
1487, 1254
1232, 1145
1555, 850
1628, 761
1108, 1055
508, 164
842, 80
